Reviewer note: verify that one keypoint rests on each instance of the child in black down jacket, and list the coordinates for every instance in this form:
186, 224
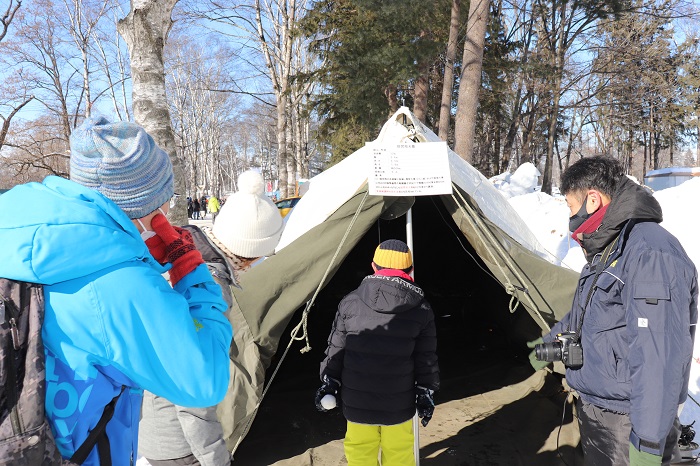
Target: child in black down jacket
381, 350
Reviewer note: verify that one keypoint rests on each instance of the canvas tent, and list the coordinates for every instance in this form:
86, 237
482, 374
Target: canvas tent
332, 218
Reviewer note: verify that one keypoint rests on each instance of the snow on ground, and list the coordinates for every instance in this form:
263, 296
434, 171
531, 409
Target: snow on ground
548, 218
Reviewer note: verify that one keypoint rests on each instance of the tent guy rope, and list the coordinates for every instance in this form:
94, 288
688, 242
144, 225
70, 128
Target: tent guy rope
481, 232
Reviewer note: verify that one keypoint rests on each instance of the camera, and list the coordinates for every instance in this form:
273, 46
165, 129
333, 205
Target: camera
566, 348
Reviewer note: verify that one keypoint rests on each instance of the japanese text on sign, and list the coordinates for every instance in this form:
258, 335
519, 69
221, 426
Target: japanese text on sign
413, 169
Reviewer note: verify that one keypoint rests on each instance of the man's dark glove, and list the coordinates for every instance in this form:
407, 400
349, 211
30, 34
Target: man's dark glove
330, 386
424, 404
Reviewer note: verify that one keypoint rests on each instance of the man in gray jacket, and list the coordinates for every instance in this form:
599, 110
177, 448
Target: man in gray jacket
631, 322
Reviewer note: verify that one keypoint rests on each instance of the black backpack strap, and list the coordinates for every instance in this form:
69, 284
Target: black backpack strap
98, 436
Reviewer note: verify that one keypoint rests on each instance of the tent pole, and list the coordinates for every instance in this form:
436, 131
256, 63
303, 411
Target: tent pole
409, 243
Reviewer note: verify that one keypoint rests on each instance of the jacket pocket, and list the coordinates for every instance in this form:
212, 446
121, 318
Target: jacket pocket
605, 306
650, 301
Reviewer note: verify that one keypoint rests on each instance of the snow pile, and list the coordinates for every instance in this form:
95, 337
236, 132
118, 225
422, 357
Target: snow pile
548, 218
523, 181
681, 218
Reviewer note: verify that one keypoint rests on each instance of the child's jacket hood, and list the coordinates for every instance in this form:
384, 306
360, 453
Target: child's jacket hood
388, 294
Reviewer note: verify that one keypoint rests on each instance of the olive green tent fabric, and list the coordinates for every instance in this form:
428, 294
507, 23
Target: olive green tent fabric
271, 292
545, 289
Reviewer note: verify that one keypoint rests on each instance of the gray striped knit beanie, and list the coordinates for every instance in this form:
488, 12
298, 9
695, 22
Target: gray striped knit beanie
121, 161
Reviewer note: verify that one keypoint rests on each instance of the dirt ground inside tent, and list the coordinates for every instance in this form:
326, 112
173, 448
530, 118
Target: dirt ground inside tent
492, 408
500, 413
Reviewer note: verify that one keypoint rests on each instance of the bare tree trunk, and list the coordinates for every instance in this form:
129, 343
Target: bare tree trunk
291, 150
470, 80
630, 151
448, 79
279, 67
558, 57
299, 144
646, 145
145, 30
7, 18
7, 120
420, 98
390, 93
529, 128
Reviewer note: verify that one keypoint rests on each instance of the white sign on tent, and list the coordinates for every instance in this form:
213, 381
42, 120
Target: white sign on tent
409, 169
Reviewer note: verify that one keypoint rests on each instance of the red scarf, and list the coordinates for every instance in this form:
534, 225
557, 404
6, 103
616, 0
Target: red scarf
394, 273
590, 225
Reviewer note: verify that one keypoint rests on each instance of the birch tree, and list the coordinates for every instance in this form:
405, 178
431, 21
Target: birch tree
145, 30
276, 47
202, 116
83, 19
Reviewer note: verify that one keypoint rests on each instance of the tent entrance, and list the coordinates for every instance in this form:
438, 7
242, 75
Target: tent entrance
480, 348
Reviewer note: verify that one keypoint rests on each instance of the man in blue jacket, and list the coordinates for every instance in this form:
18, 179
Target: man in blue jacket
99, 243
633, 315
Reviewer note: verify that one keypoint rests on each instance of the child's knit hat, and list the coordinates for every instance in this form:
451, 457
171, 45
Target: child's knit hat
249, 225
123, 162
393, 254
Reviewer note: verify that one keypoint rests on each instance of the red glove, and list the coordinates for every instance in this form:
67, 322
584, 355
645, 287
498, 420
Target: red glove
179, 248
156, 247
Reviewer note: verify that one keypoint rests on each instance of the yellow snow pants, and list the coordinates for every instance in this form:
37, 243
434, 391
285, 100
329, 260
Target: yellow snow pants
363, 443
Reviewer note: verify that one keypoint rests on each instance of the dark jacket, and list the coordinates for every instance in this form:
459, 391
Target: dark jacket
382, 343
637, 333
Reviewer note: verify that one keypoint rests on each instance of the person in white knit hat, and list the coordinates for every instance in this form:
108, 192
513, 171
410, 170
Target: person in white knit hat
247, 228
249, 225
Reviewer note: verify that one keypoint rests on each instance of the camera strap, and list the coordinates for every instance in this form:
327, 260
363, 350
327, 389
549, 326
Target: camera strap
599, 269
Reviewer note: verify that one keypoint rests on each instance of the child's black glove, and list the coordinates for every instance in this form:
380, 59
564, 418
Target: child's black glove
424, 404
330, 386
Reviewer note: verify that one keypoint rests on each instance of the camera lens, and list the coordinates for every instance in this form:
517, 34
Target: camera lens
548, 351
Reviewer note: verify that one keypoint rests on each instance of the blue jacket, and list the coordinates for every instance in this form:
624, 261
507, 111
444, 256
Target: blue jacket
638, 328
112, 320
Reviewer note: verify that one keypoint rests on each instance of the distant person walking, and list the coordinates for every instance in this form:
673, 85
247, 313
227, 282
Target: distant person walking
214, 207
190, 207
203, 206
382, 351
195, 209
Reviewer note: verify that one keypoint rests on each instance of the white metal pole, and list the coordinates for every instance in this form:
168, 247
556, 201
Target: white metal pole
409, 243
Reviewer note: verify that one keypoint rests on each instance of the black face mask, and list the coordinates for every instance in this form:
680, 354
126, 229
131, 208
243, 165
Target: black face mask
578, 219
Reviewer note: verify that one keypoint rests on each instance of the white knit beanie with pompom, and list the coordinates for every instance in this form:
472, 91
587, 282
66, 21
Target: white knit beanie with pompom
249, 224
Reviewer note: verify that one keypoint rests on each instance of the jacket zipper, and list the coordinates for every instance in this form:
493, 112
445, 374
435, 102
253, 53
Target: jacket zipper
12, 381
